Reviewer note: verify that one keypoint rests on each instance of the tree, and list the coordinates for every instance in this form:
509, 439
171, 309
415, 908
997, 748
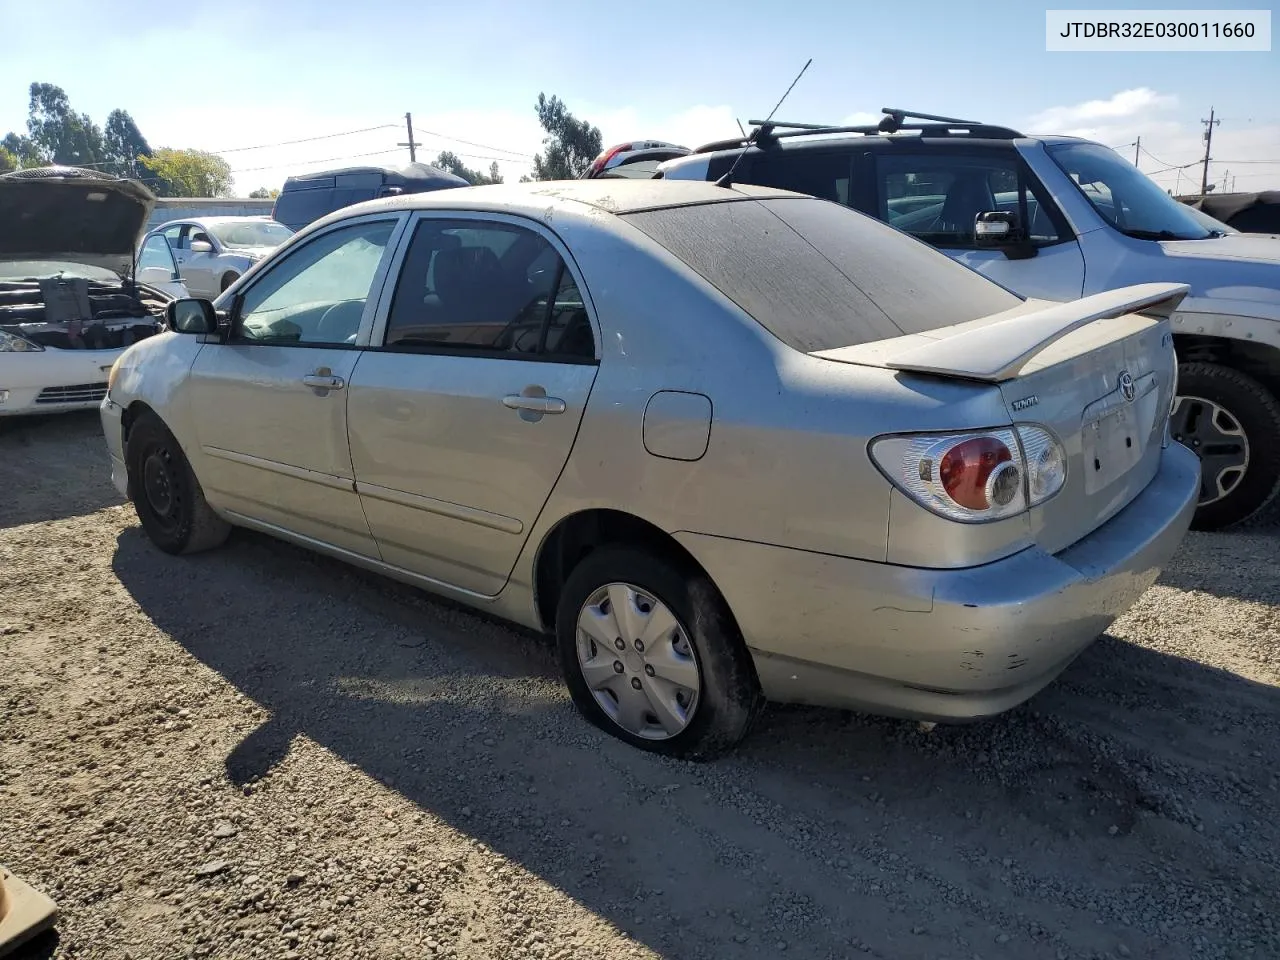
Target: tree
453, 164
7, 160
569, 146
59, 133
123, 143
189, 173
264, 193
23, 150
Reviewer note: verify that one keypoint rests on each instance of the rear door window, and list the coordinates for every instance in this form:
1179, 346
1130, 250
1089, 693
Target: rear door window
487, 288
824, 174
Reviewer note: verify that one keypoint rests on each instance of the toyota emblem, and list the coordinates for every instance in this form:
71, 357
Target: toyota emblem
1127, 389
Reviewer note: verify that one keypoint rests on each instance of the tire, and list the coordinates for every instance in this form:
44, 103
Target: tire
173, 511
227, 280
728, 698
1225, 417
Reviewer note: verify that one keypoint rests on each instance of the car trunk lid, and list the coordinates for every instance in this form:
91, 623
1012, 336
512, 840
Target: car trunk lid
1096, 373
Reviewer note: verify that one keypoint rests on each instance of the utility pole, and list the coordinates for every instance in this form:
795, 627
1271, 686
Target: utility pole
413, 153
1137, 149
1208, 142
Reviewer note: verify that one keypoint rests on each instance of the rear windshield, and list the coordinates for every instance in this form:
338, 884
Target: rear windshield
820, 276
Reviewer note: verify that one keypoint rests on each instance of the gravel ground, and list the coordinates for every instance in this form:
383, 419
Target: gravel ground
261, 753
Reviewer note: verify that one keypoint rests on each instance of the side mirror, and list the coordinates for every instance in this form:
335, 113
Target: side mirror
191, 316
995, 229
201, 246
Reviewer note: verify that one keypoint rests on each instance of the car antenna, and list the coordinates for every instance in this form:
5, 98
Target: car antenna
741, 129
727, 179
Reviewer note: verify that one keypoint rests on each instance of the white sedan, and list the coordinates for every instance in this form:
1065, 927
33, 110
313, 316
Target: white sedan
74, 288
213, 252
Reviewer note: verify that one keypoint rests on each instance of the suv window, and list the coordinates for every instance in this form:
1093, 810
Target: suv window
316, 294
821, 174
937, 196
819, 276
495, 288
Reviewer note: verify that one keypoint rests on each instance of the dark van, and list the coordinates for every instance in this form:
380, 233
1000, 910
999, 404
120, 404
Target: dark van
310, 196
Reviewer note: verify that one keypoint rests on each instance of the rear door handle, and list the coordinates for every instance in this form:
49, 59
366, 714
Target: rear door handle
534, 404
324, 381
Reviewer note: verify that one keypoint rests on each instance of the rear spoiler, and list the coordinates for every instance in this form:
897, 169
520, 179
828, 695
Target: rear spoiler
998, 351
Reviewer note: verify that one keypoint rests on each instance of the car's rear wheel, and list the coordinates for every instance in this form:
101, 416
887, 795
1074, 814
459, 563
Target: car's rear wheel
165, 493
652, 655
228, 279
1232, 423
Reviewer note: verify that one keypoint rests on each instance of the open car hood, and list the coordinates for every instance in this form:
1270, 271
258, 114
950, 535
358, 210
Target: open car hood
73, 215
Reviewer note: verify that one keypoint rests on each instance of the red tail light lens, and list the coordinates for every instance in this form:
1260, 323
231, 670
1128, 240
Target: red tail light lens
966, 468
601, 162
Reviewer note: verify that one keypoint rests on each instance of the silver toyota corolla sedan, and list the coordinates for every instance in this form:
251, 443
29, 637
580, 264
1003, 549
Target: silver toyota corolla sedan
728, 444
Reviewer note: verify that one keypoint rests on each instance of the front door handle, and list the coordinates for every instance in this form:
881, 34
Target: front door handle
534, 404
323, 379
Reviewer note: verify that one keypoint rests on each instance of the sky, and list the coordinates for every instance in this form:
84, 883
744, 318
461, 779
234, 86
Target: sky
242, 79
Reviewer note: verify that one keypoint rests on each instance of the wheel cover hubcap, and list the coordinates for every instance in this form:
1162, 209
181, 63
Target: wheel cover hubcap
1214, 434
158, 485
638, 662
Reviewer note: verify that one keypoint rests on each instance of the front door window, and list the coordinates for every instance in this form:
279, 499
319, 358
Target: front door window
317, 294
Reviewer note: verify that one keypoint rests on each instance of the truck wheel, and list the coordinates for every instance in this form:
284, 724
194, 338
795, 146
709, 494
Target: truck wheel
165, 492
1232, 423
652, 655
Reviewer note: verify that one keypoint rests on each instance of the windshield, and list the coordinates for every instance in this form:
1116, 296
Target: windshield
251, 233
1216, 227
1124, 196
38, 269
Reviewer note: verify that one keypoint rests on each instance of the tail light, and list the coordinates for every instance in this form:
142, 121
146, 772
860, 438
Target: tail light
599, 164
975, 477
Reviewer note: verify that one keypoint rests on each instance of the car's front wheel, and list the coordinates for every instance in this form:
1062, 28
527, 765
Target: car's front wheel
165, 493
1232, 423
652, 655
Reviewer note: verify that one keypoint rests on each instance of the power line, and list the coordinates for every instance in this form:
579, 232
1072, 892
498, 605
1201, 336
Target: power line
1181, 166
323, 136
472, 143
1164, 163
349, 156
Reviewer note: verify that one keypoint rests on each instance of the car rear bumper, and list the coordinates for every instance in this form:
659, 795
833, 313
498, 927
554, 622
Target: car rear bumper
944, 644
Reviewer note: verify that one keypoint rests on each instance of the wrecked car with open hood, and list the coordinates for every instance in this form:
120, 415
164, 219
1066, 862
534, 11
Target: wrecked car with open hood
72, 296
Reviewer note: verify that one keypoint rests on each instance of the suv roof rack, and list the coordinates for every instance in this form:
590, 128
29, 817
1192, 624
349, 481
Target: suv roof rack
766, 132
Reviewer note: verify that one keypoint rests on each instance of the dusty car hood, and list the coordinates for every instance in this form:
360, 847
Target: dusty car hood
76, 218
1258, 247
1237, 274
252, 253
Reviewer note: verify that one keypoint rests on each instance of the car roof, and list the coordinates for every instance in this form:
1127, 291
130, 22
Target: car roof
539, 199
218, 219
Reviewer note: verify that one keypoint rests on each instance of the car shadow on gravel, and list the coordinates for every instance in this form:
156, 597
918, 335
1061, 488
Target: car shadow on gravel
819, 812
46, 457
1239, 564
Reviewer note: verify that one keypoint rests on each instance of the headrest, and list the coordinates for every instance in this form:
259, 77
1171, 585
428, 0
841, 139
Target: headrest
464, 272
